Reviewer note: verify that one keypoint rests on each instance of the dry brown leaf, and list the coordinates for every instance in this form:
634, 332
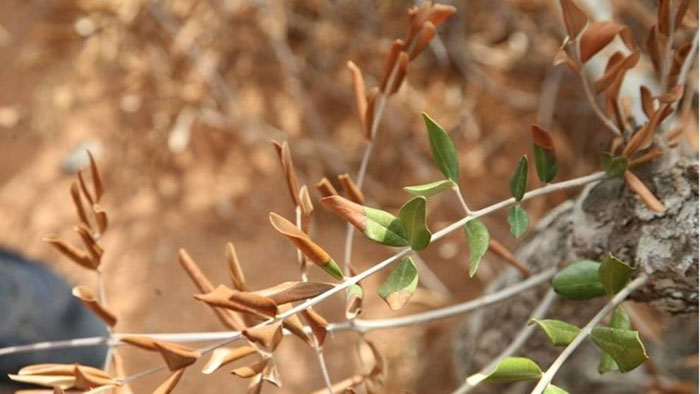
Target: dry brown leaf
352, 212
58, 369
84, 188
426, 34
300, 240
268, 336
647, 101
396, 47
307, 208
680, 14
60, 381
287, 292
599, 34
96, 178
88, 299
293, 325
285, 157
250, 303
617, 66
78, 203
325, 187
317, 323
141, 342
674, 94
369, 115
350, 189
72, 252
664, 16
250, 370
169, 384
401, 71
654, 44
574, 18
235, 271
223, 356
90, 243
643, 138
562, 57
255, 385
353, 306
644, 193
100, 218
84, 379
439, 13
358, 87
175, 355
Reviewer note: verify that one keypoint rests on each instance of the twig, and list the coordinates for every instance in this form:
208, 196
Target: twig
688, 62
668, 50
324, 368
519, 340
585, 331
358, 325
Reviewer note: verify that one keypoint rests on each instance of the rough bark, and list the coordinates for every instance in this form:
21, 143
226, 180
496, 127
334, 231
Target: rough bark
605, 217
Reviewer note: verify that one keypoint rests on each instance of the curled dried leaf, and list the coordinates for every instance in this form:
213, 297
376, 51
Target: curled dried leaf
61, 381
268, 336
350, 189
223, 356
72, 252
285, 157
287, 292
250, 370
426, 34
293, 325
643, 192
246, 302
86, 297
96, 178
169, 384
358, 85
401, 71
59, 369
307, 208
643, 138
601, 33
270, 373
141, 342
674, 94
574, 18
664, 16
84, 188
100, 218
353, 303
85, 379
647, 101
396, 47
175, 355
654, 44
317, 323
90, 243
562, 57
78, 202
350, 211
234, 268
325, 187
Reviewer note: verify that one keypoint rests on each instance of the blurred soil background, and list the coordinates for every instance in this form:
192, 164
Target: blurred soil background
179, 100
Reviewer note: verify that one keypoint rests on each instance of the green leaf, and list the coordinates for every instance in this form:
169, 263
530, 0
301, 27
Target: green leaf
579, 281
413, 218
552, 389
478, 240
614, 274
624, 346
514, 369
619, 320
518, 221
614, 166
444, 152
545, 156
400, 285
519, 180
384, 228
430, 189
560, 333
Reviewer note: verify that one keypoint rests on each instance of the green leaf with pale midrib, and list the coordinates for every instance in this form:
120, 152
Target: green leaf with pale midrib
619, 320
400, 284
432, 188
384, 228
579, 281
518, 182
559, 333
413, 219
514, 369
624, 346
478, 240
444, 152
546, 163
518, 221
614, 274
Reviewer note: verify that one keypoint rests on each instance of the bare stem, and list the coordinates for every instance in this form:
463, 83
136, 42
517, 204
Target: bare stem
324, 368
585, 331
519, 340
589, 93
688, 62
668, 50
